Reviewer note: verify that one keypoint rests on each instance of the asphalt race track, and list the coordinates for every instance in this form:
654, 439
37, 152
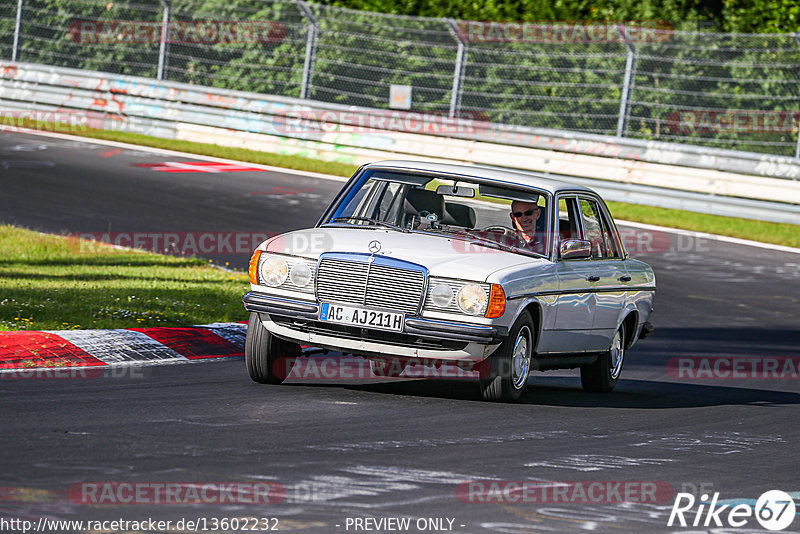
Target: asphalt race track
400, 449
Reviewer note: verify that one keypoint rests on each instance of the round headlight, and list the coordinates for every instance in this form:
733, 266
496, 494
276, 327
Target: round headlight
471, 299
441, 295
273, 271
300, 275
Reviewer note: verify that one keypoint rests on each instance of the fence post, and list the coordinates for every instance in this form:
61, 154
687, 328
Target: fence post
797, 150
458, 74
163, 48
17, 28
627, 84
311, 49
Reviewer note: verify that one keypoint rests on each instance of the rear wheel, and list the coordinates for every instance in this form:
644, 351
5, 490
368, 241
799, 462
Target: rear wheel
505, 373
268, 358
602, 376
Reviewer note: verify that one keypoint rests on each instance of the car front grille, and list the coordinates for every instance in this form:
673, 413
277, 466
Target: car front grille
371, 284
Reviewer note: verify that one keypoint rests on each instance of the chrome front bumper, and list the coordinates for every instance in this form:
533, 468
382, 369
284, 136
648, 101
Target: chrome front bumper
416, 326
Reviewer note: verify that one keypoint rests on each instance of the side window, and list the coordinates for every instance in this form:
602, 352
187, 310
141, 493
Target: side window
568, 216
612, 251
598, 232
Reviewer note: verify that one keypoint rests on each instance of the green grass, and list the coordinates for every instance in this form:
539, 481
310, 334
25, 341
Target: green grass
767, 232
59, 283
239, 154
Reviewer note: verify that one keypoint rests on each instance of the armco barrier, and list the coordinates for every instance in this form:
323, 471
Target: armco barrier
669, 175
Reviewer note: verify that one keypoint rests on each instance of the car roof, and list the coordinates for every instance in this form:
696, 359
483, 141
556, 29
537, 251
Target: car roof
547, 182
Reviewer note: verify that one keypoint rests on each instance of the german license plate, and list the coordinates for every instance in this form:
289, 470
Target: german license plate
355, 316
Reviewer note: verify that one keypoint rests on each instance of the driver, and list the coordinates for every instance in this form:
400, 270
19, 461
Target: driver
523, 218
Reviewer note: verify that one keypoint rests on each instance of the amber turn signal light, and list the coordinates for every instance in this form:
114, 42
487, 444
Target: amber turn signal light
497, 302
252, 269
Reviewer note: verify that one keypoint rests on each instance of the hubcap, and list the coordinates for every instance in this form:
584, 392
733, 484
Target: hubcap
521, 358
617, 353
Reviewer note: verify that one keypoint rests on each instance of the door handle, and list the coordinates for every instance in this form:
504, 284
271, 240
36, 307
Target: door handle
624, 278
593, 278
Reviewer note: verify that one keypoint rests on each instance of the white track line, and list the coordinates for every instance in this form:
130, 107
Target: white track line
167, 152
712, 237
715, 237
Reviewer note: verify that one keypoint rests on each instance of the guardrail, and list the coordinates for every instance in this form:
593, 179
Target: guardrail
643, 79
662, 174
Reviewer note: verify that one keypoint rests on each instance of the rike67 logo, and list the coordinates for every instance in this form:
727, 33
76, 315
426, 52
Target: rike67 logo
774, 510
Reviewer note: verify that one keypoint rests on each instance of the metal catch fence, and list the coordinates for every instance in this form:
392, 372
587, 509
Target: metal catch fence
642, 80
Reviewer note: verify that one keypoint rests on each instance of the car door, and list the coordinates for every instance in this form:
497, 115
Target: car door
608, 273
575, 303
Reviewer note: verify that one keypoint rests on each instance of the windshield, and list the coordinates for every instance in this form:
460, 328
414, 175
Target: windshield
513, 219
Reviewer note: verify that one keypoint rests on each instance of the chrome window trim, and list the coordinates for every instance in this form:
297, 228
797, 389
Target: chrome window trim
606, 215
556, 257
582, 291
343, 192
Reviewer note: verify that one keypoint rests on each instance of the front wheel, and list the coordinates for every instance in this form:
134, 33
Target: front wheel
602, 375
269, 360
505, 373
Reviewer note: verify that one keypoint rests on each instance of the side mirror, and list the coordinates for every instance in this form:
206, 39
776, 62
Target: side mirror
574, 249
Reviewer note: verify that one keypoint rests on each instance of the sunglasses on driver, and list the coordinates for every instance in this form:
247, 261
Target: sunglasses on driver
526, 213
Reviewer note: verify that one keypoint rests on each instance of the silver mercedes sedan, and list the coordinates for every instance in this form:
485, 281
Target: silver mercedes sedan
413, 263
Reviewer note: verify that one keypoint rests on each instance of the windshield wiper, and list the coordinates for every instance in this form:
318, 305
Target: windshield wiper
466, 235
376, 222
469, 236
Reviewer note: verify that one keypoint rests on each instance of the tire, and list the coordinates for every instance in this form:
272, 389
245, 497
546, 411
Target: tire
268, 358
602, 376
505, 373
390, 368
